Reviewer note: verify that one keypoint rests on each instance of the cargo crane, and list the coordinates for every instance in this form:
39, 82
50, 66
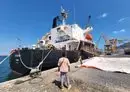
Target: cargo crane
110, 44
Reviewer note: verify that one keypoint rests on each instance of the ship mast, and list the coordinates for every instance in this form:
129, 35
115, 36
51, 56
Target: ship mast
64, 15
88, 22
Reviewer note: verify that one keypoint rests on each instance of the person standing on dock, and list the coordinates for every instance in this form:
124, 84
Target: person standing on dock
64, 68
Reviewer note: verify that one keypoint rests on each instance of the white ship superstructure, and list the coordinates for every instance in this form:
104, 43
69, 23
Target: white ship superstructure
66, 36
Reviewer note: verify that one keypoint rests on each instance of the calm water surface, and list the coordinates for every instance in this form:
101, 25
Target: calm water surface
5, 71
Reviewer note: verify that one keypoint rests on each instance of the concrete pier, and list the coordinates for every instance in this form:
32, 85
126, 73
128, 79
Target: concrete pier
82, 80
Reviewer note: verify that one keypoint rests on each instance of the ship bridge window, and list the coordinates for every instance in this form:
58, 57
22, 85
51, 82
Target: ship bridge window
69, 47
49, 37
64, 48
86, 44
41, 41
58, 28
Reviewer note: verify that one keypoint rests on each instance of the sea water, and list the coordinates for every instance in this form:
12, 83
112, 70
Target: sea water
5, 70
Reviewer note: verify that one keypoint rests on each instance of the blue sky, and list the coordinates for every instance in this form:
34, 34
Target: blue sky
29, 20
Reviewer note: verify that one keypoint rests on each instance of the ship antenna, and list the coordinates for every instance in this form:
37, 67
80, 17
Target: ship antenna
89, 17
88, 22
74, 14
18, 42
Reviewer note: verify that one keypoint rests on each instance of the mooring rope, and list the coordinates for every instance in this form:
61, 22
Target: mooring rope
23, 63
6, 58
37, 67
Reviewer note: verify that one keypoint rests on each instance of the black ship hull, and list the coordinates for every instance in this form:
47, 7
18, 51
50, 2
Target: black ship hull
32, 58
21, 58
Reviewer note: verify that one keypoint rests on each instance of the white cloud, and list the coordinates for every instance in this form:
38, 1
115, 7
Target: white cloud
115, 32
122, 19
104, 15
122, 30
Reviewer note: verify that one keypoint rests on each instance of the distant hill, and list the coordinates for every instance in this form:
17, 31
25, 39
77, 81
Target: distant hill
3, 55
125, 45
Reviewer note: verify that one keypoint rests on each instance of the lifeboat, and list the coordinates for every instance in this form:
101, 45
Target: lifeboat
88, 37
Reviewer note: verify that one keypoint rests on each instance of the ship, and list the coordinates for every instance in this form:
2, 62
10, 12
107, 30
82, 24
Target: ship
76, 42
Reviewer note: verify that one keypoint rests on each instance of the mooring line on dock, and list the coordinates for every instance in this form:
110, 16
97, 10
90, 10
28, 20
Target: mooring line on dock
23, 63
37, 67
43, 59
6, 58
